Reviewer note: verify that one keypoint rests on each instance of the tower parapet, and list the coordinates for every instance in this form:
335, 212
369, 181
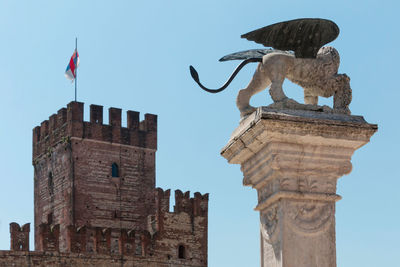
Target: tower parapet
196, 206
189, 221
68, 122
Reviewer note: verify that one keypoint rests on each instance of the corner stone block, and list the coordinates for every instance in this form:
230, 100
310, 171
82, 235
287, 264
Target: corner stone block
294, 159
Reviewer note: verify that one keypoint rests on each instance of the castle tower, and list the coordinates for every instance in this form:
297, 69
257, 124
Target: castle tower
91, 173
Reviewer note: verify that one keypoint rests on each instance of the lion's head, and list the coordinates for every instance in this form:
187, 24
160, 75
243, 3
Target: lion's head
331, 59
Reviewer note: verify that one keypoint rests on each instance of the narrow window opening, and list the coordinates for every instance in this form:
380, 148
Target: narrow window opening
50, 218
181, 252
115, 215
50, 183
114, 170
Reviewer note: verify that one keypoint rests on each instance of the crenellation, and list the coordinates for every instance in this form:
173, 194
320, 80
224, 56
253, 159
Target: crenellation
49, 237
146, 243
44, 129
116, 242
68, 122
150, 121
96, 114
183, 202
103, 240
61, 117
114, 117
90, 239
195, 206
75, 111
36, 135
19, 237
76, 239
162, 199
132, 119
200, 204
52, 122
127, 242
120, 241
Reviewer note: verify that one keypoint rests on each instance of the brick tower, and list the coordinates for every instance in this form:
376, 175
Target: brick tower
102, 178
89, 173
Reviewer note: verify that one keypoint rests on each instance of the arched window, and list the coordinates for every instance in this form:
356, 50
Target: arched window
114, 170
181, 252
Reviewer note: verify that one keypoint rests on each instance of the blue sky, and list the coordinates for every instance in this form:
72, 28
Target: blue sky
135, 55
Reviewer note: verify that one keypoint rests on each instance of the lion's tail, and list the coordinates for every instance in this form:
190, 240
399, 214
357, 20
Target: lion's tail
196, 78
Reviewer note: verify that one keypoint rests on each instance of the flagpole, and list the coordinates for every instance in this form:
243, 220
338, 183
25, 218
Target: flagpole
76, 67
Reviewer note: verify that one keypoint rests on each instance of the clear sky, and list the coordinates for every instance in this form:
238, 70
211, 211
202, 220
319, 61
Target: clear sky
135, 55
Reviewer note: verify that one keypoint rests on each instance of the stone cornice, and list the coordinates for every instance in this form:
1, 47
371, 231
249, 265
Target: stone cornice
306, 127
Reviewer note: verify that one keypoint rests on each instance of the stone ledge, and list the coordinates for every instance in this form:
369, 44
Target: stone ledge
266, 125
297, 196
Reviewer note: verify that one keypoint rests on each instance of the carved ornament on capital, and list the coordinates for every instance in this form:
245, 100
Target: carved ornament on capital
269, 220
309, 217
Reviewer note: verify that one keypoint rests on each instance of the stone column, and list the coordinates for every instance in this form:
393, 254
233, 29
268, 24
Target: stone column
294, 159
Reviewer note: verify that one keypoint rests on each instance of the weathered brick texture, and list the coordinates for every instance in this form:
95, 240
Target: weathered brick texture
95, 198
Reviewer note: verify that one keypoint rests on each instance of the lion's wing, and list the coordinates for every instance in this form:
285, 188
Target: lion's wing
303, 36
252, 53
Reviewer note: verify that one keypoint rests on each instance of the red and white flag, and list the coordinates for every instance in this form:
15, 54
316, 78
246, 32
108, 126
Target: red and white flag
70, 72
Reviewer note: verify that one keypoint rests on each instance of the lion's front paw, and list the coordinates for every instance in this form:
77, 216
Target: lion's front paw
290, 103
286, 103
244, 112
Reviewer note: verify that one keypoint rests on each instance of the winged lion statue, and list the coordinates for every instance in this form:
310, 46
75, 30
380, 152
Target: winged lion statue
297, 54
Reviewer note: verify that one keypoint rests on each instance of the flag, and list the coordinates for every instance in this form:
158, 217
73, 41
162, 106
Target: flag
70, 72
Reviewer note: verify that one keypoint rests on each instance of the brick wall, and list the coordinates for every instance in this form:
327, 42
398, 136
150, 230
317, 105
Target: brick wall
56, 259
105, 201
53, 191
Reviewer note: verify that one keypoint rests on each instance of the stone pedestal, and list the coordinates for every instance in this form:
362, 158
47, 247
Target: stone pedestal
294, 159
